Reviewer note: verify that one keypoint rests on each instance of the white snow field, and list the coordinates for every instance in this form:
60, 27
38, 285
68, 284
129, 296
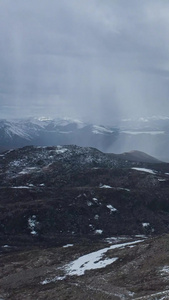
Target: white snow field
90, 261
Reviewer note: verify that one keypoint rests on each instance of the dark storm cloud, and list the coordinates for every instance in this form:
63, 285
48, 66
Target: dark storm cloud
88, 59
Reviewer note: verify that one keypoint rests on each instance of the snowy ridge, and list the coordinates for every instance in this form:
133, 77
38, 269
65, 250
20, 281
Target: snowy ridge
31, 127
12, 128
101, 130
43, 122
28, 164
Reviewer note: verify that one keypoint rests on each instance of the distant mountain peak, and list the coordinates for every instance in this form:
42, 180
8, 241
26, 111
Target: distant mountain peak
140, 156
150, 137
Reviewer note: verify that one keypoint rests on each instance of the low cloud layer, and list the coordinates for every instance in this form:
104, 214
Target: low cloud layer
93, 60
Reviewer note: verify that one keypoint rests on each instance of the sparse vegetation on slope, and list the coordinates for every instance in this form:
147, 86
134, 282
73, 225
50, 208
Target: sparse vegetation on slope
68, 195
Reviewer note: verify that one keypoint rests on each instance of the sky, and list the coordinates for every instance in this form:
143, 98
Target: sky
93, 60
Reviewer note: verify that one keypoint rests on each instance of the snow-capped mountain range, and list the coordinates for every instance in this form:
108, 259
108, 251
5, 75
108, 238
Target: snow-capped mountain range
148, 135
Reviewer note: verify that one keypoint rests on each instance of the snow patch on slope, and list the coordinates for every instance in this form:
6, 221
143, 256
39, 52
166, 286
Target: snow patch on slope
105, 186
145, 225
112, 209
61, 150
91, 261
145, 170
32, 224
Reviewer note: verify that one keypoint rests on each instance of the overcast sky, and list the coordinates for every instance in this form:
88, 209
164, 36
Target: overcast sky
93, 60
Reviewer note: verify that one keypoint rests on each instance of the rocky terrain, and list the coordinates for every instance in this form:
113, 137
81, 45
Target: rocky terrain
53, 192
60, 203
114, 269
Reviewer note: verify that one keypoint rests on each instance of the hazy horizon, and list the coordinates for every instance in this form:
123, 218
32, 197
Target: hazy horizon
94, 61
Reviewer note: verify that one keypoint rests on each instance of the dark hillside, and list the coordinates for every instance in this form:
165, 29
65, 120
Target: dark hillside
52, 194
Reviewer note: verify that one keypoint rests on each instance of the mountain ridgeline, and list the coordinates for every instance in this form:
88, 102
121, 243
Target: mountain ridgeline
149, 136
